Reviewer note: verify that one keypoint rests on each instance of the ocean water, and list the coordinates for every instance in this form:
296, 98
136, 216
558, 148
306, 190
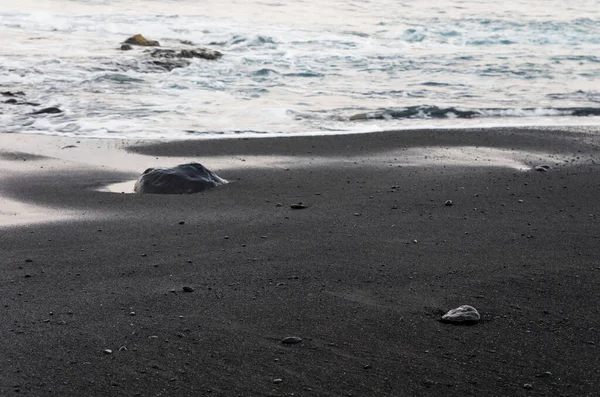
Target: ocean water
298, 67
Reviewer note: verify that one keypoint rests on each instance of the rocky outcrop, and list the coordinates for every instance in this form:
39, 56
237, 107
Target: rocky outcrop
140, 40
171, 59
182, 179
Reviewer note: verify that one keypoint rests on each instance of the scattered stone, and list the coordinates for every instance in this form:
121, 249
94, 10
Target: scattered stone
182, 222
542, 168
50, 110
528, 386
546, 374
140, 40
291, 340
69, 147
464, 314
28, 276
28, 260
277, 381
182, 179
107, 351
298, 206
448, 203
368, 366
12, 100
126, 47
188, 289
278, 205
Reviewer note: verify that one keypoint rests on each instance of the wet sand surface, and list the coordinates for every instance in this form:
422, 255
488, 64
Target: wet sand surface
93, 302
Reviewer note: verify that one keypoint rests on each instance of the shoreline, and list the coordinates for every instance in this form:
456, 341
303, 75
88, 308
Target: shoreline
95, 303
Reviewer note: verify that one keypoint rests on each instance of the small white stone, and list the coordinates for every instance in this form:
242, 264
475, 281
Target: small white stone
462, 314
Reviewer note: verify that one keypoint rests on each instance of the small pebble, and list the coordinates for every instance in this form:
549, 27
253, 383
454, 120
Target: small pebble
546, 374
182, 222
188, 289
528, 386
448, 203
28, 260
298, 206
277, 381
107, 351
291, 340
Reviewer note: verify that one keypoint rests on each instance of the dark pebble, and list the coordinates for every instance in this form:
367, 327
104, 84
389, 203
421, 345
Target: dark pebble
182, 222
28, 260
188, 289
126, 47
12, 100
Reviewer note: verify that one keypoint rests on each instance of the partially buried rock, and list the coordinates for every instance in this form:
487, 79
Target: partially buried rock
298, 206
543, 168
50, 110
291, 340
182, 179
140, 40
464, 314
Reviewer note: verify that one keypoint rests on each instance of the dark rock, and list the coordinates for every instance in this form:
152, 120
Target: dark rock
188, 289
50, 110
140, 40
13, 94
464, 314
448, 203
291, 340
12, 100
126, 47
182, 179
298, 206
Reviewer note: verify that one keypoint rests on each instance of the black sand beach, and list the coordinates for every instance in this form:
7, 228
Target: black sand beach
93, 301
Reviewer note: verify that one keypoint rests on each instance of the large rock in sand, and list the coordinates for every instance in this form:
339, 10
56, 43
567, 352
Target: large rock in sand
182, 179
